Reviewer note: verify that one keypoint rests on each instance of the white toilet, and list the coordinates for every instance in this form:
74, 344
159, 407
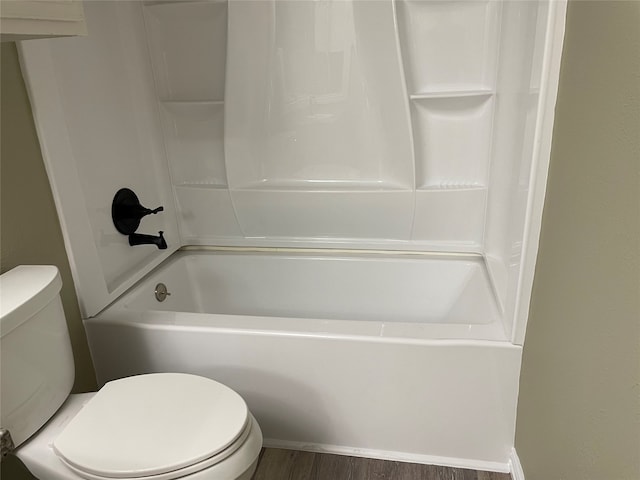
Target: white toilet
161, 426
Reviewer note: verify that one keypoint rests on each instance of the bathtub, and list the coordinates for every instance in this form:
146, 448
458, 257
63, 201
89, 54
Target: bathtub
389, 356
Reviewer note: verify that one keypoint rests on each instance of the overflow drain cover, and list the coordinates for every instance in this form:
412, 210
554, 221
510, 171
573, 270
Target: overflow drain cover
161, 292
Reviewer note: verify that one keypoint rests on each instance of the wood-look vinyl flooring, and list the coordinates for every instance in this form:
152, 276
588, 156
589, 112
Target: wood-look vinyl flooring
278, 464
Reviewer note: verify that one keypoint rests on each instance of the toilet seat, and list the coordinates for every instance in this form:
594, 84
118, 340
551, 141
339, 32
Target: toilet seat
154, 427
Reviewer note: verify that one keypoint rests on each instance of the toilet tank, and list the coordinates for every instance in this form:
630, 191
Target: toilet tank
36, 362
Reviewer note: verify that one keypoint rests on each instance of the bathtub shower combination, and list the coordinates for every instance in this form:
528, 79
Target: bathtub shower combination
352, 195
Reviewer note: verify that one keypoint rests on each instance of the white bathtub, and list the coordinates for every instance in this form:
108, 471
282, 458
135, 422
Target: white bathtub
399, 357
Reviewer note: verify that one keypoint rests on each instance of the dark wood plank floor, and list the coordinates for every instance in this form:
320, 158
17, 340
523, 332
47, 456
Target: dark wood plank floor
277, 464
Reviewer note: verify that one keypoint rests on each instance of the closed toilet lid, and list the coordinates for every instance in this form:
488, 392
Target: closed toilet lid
152, 424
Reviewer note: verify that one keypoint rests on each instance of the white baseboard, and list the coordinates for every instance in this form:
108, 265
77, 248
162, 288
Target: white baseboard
391, 455
515, 467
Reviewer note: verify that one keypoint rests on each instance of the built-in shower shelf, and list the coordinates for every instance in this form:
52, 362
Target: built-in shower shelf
452, 138
191, 103
324, 186
212, 184
161, 3
452, 94
451, 187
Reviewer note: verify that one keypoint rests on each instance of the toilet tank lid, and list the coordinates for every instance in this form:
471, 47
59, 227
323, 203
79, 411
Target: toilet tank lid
24, 291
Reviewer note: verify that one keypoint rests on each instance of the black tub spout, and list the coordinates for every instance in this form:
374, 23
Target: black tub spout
143, 239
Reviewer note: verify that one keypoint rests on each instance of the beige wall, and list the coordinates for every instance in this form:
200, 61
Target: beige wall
579, 406
29, 229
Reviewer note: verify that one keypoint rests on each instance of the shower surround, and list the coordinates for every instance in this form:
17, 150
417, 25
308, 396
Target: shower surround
352, 193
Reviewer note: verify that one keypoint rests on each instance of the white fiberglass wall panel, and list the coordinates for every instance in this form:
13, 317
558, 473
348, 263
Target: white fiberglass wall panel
95, 111
188, 47
315, 97
193, 134
450, 55
450, 216
330, 135
187, 43
515, 145
315, 105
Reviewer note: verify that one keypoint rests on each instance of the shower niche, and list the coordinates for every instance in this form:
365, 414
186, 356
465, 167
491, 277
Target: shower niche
393, 125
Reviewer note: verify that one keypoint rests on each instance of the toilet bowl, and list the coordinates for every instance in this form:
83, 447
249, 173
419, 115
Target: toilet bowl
62, 450
149, 427
160, 426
